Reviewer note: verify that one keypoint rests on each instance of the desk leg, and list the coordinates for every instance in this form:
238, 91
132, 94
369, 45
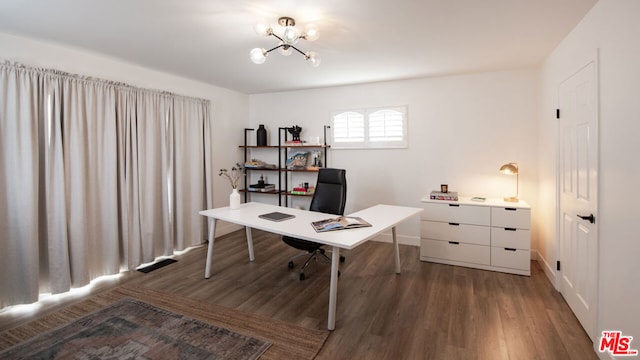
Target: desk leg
396, 250
249, 243
333, 287
212, 233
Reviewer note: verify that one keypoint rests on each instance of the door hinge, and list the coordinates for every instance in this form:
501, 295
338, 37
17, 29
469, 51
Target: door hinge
558, 265
557, 113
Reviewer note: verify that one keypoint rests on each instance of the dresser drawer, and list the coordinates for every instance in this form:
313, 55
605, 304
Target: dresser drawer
473, 234
511, 238
511, 258
457, 213
511, 217
470, 253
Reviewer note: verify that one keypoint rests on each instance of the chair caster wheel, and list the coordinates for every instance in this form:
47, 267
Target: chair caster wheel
290, 265
302, 277
342, 258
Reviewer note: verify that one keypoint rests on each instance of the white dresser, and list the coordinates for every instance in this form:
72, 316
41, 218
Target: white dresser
490, 235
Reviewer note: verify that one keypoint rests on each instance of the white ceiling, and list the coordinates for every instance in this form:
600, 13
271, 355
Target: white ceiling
360, 40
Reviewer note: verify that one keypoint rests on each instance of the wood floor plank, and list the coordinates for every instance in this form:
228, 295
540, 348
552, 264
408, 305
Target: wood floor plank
429, 311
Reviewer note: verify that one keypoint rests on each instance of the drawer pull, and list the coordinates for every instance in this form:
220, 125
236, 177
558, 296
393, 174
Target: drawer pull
454, 224
454, 205
509, 229
510, 249
510, 209
454, 243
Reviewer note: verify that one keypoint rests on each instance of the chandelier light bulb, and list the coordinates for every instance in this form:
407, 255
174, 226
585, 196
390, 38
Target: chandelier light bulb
313, 58
258, 55
311, 32
290, 35
262, 29
285, 50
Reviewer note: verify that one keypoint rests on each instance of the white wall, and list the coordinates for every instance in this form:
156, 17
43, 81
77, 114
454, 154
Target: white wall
229, 109
461, 130
613, 28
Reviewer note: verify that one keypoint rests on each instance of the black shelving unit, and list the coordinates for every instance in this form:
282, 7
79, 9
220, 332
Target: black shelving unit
282, 170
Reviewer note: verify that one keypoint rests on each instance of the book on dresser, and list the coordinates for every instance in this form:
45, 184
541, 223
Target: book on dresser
438, 195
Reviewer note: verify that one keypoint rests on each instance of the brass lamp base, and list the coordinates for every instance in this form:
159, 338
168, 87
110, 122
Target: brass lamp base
511, 199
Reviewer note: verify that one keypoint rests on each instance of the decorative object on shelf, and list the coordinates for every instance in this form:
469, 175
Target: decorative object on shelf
297, 160
289, 36
237, 171
448, 196
262, 186
295, 131
261, 136
258, 164
511, 169
444, 188
317, 162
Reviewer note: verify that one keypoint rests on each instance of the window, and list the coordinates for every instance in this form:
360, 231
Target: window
348, 127
370, 128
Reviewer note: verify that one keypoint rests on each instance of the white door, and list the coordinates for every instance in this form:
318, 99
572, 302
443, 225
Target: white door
578, 166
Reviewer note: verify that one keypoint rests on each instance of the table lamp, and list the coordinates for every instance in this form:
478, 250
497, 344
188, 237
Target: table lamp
511, 169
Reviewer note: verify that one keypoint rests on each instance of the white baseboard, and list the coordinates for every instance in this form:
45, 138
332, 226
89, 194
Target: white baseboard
549, 270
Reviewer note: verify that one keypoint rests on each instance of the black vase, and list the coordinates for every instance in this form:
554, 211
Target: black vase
261, 136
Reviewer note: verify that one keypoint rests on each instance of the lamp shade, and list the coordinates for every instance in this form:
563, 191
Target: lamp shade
511, 169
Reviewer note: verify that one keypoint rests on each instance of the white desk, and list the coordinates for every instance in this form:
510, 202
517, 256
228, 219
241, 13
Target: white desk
381, 218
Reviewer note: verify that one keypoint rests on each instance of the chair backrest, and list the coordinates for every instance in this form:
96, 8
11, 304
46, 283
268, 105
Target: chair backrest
330, 195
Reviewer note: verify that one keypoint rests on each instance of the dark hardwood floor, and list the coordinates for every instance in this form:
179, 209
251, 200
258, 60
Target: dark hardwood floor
430, 311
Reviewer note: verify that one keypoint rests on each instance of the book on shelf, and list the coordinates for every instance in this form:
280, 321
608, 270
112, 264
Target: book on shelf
302, 191
262, 187
258, 164
449, 196
339, 223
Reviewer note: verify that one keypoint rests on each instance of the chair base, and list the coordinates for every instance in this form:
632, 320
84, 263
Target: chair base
311, 255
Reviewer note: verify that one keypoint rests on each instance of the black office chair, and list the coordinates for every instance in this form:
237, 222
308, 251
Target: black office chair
329, 197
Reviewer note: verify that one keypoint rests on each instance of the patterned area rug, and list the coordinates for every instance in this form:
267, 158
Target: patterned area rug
131, 329
288, 341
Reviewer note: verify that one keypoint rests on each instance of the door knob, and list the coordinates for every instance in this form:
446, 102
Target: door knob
590, 217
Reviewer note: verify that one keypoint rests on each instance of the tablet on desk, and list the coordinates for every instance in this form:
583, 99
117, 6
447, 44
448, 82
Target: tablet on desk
276, 216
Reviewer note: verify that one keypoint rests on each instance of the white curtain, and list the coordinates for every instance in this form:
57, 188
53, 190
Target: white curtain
95, 177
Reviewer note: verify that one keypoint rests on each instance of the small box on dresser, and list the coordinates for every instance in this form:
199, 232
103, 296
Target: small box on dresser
490, 235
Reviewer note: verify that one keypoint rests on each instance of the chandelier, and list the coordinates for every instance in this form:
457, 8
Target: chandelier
288, 39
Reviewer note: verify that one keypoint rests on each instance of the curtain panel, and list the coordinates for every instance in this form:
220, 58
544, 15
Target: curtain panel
95, 177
